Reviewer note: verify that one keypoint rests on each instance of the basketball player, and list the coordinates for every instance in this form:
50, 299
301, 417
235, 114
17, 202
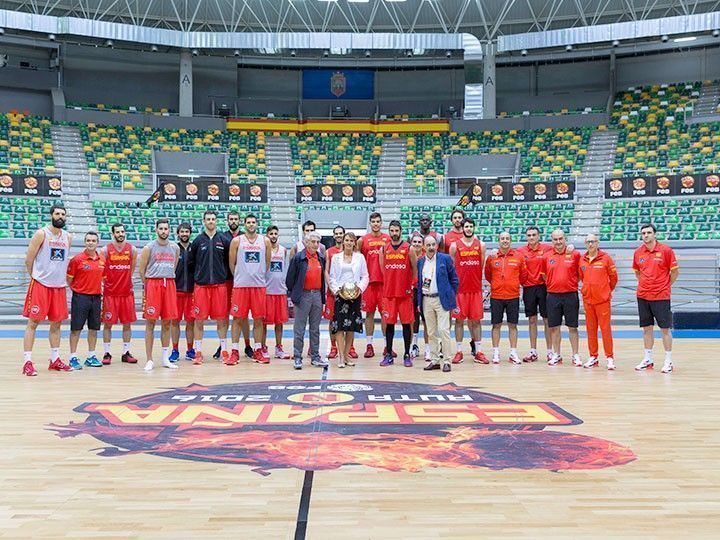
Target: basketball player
158, 261
118, 297
370, 245
425, 224
249, 262
398, 263
46, 262
233, 223
184, 287
417, 245
208, 262
307, 227
329, 308
457, 217
276, 299
468, 254
85, 276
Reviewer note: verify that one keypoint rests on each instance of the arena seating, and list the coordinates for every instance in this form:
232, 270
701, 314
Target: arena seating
25, 143
551, 112
335, 158
23, 215
122, 109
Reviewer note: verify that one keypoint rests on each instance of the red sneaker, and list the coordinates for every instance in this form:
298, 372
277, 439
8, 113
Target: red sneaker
225, 357
259, 358
29, 369
333, 352
58, 365
352, 353
281, 354
233, 358
198, 360
480, 358
458, 358
531, 357
385, 353
265, 353
128, 358
106, 359
369, 351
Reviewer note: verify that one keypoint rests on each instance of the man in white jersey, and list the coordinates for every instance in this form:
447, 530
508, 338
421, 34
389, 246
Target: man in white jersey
46, 262
249, 262
276, 300
307, 227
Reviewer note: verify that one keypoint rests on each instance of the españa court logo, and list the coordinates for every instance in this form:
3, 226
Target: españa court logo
313, 425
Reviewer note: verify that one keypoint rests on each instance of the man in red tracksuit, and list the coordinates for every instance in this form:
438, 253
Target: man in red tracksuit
599, 278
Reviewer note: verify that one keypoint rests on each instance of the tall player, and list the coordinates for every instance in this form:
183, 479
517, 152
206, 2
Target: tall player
157, 263
233, 223
329, 307
416, 243
118, 298
457, 218
399, 268
276, 299
370, 245
425, 224
249, 261
468, 253
307, 227
47, 261
184, 285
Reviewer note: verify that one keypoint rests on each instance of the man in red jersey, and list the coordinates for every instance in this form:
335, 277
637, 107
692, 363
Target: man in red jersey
399, 267
656, 269
504, 270
457, 217
329, 307
468, 254
118, 298
561, 270
370, 245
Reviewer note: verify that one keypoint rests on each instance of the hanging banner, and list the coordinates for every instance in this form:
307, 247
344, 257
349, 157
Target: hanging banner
662, 186
343, 193
34, 186
182, 191
492, 191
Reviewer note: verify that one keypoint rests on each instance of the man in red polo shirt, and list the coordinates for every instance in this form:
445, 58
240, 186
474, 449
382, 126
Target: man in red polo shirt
505, 270
656, 269
599, 277
560, 271
85, 277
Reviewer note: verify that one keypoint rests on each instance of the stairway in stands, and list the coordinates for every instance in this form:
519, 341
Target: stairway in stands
281, 187
391, 176
590, 189
70, 160
707, 103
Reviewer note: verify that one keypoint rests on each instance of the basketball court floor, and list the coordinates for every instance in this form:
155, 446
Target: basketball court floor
255, 451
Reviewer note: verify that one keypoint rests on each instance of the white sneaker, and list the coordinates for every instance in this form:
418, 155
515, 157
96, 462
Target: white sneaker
577, 361
667, 367
554, 359
496, 359
592, 362
168, 364
149, 366
647, 363
514, 359
611, 364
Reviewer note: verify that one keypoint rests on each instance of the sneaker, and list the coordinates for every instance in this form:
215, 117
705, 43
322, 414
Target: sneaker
432, 366
149, 365
259, 357
217, 353
480, 358
577, 361
92, 361
128, 358
249, 351
414, 351
611, 364
514, 359
407, 360
352, 353
106, 359
297, 363
233, 358
496, 359
667, 367
282, 355
168, 364
549, 356
333, 352
531, 357
265, 353
224, 356
369, 351
190, 354
174, 355
387, 360
319, 362
29, 369
458, 358
198, 360
75, 364
59, 365
446, 367
554, 360
645, 364
592, 362
394, 354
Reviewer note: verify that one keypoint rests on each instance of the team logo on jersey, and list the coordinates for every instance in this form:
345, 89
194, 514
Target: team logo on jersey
276, 266
551, 261
57, 254
395, 426
252, 257
642, 260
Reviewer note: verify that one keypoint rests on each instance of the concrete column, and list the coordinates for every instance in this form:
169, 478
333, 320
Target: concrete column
489, 80
186, 84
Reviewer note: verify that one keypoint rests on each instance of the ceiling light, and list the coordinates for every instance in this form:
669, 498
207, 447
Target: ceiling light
293, 53
2, 31
109, 43
568, 48
51, 37
615, 43
684, 39
408, 53
367, 53
195, 52
716, 33
236, 53
448, 54
523, 52
664, 38
154, 48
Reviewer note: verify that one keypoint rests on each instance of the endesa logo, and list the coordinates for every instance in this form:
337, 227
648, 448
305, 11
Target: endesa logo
394, 426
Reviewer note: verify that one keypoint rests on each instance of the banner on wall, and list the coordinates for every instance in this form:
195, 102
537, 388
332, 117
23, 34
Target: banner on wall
492, 191
662, 185
338, 84
343, 193
35, 186
182, 191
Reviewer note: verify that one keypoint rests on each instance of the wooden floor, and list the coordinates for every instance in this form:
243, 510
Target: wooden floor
55, 487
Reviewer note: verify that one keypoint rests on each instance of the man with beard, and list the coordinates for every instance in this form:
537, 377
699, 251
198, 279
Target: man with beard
425, 224
468, 253
307, 227
249, 263
118, 298
184, 286
233, 223
47, 261
276, 300
399, 267
370, 245
457, 217
157, 264
329, 308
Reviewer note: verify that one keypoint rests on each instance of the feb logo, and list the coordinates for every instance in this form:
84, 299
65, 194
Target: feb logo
312, 425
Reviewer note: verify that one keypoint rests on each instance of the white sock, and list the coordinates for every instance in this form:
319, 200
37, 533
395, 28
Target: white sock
257, 346
478, 346
668, 357
73, 355
27, 356
648, 354
496, 351
513, 352
414, 339
92, 353
223, 344
126, 347
235, 346
198, 345
427, 348
106, 348
458, 346
369, 340
54, 354
165, 354
533, 351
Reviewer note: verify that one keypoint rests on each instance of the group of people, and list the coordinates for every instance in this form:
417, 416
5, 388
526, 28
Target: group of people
424, 278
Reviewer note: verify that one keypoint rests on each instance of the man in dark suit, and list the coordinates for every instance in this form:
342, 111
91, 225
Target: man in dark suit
437, 288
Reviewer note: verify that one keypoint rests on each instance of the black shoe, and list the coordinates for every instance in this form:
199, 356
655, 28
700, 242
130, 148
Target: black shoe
472, 347
249, 351
446, 367
431, 366
217, 353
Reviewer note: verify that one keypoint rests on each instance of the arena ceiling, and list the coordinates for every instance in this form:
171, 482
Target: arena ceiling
486, 19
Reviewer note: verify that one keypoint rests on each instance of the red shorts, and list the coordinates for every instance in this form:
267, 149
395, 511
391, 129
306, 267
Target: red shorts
185, 306
246, 300
210, 301
276, 309
119, 309
372, 298
329, 307
469, 306
402, 307
160, 299
43, 302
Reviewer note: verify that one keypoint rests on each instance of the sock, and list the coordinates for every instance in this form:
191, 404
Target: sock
189, 345
198, 345
73, 355
369, 340
458, 346
106, 348
236, 346
533, 351
54, 354
92, 353
513, 352
176, 346
332, 341
27, 356
496, 351
478, 346
407, 337
427, 348
223, 344
126, 347
389, 335
257, 346
668, 357
414, 339
166, 354
648, 354
247, 342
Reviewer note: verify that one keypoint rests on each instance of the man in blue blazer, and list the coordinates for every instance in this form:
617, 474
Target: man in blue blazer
437, 287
